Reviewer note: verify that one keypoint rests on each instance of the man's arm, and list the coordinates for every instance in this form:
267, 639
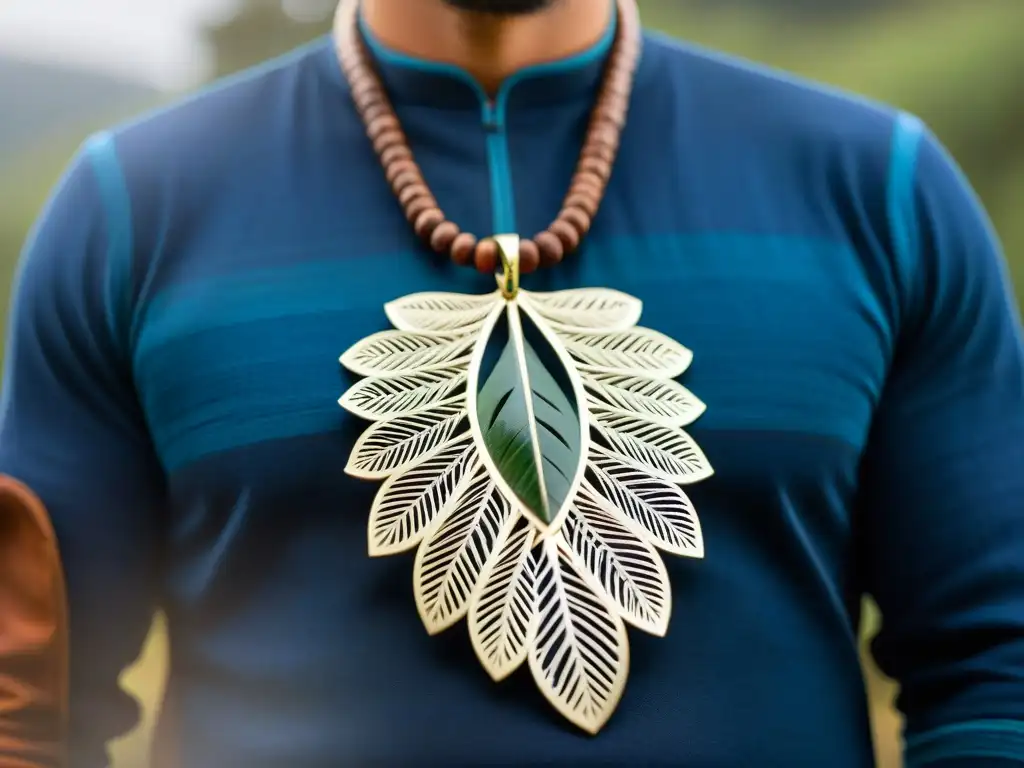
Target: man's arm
72, 431
943, 478
33, 634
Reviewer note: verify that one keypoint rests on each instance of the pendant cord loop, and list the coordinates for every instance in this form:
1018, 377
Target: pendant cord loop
508, 255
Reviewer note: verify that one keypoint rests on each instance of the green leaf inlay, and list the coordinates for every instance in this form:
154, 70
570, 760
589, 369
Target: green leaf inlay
537, 457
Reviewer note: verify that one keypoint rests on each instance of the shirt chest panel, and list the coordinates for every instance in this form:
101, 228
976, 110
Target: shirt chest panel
232, 363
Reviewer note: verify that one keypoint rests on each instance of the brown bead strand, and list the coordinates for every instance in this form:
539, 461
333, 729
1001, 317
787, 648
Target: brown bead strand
421, 209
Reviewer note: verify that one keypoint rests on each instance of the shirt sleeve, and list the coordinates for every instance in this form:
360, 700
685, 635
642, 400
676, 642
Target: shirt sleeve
71, 430
942, 510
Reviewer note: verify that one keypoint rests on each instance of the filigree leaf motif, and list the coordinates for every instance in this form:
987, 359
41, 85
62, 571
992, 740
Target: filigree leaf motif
392, 352
441, 312
670, 454
630, 352
580, 657
627, 568
542, 538
457, 549
501, 613
530, 428
387, 397
587, 309
656, 507
662, 400
408, 503
391, 446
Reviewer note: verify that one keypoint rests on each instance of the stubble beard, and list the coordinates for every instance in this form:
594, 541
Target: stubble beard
501, 7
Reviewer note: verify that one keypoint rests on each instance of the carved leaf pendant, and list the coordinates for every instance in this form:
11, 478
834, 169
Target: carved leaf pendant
532, 450
526, 410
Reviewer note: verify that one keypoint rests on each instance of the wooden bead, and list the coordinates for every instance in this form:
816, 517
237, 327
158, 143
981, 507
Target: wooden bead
366, 93
550, 247
586, 182
363, 83
418, 206
376, 111
605, 134
632, 38
412, 192
395, 153
393, 170
600, 151
378, 125
388, 139
363, 78
427, 222
579, 220
406, 179
610, 102
443, 236
462, 248
566, 233
352, 64
629, 48
370, 99
529, 256
596, 166
614, 114
583, 201
617, 87
619, 83
485, 257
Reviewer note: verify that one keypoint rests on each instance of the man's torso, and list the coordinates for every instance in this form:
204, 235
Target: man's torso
746, 212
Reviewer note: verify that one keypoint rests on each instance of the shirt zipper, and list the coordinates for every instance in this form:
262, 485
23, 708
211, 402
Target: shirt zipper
503, 212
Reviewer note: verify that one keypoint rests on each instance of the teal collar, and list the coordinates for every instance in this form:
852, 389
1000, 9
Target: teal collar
410, 80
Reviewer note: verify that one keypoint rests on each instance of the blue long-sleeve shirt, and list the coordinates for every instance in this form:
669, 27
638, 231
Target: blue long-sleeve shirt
172, 383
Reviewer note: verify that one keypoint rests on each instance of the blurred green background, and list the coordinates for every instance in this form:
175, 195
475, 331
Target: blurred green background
959, 64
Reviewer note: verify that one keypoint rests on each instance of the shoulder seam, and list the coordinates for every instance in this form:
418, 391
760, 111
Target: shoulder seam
113, 188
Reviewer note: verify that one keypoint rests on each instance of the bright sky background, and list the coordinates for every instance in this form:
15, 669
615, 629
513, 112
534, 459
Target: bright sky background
149, 40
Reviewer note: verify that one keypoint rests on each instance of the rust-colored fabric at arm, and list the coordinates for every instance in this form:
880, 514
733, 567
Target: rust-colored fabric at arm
33, 634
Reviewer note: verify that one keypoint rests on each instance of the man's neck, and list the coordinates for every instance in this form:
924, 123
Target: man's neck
489, 47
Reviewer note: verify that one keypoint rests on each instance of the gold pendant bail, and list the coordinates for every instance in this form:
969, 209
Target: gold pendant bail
508, 253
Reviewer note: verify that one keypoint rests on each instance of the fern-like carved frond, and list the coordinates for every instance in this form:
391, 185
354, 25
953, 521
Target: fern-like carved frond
625, 566
407, 503
658, 508
580, 656
457, 549
629, 352
501, 613
391, 352
394, 445
440, 312
586, 309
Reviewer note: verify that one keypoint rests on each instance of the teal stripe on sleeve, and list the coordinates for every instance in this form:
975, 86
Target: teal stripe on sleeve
117, 206
902, 212
1003, 739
